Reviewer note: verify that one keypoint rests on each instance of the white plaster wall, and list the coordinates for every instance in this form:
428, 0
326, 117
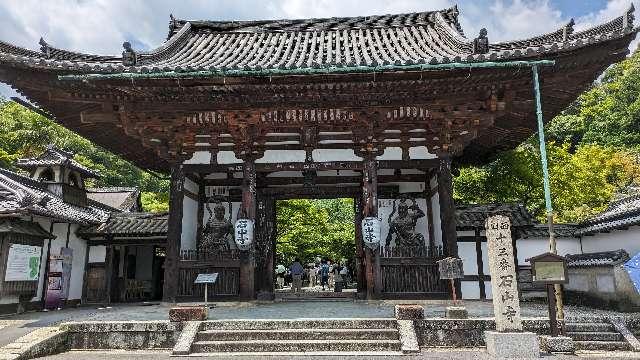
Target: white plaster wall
191, 186
334, 155
279, 156
97, 254
391, 153
629, 240
531, 247
420, 153
199, 157
189, 223
467, 253
470, 290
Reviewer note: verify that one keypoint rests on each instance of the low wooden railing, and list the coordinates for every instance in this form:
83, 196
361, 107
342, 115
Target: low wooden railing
411, 252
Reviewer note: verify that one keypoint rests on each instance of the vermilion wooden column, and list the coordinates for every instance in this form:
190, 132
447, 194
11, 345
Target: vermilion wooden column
174, 235
248, 211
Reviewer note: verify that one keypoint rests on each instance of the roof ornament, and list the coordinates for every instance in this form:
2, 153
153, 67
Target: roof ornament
172, 23
568, 29
129, 56
481, 43
627, 20
45, 48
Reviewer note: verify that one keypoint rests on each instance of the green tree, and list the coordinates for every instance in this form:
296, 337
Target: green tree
310, 228
25, 133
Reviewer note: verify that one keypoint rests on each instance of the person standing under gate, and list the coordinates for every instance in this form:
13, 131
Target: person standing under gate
312, 275
324, 274
296, 270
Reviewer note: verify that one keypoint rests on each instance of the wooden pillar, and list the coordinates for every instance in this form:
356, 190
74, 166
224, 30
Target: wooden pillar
447, 207
480, 263
429, 200
248, 211
202, 199
370, 209
108, 271
360, 250
448, 211
174, 235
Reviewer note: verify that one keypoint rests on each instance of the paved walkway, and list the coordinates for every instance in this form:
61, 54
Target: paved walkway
469, 354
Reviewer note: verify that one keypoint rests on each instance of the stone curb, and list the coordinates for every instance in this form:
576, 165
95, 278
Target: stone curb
628, 336
408, 338
40, 342
187, 335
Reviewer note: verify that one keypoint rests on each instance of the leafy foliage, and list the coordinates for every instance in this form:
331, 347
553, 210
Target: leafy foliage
24, 133
310, 228
592, 153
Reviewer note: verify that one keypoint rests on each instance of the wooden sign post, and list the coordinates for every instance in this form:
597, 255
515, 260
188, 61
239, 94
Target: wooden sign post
206, 279
550, 269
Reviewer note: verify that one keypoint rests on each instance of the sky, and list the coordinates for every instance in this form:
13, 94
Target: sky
101, 26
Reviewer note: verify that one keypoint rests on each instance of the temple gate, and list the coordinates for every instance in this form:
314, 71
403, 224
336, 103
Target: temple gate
375, 108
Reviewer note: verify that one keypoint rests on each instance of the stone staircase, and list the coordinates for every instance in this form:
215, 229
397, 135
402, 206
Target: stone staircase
315, 296
600, 335
358, 336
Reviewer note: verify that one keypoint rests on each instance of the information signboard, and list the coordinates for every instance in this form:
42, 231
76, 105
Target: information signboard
23, 263
206, 278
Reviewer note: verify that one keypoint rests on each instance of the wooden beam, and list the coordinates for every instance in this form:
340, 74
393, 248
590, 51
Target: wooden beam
480, 264
319, 180
447, 210
317, 166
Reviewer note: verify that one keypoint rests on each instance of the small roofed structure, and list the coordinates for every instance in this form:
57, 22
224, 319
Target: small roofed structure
122, 198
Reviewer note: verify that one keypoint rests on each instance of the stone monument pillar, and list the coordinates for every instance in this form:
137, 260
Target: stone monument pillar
508, 340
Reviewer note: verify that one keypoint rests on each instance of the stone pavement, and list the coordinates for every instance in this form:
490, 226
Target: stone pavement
468, 354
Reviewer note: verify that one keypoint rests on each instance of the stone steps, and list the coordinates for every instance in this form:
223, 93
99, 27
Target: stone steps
595, 336
299, 324
273, 346
298, 334
317, 336
316, 296
602, 345
589, 327
600, 336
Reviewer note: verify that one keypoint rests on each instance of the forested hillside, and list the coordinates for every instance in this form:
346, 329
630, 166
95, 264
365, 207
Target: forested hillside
593, 149
593, 152
24, 133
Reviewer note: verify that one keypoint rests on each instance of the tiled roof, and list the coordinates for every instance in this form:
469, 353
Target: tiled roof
54, 156
619, 215
20, 195
16, 226
122, 198
433, 37
598, 258
471, 216
130, 224
542, 231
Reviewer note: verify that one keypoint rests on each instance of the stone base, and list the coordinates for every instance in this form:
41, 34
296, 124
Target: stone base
188, 313
522, 345
456, 312
557, 344
409, 312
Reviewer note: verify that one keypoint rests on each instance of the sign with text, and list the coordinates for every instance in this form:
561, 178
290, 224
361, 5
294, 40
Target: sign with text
206, 278
506, 305
23, 263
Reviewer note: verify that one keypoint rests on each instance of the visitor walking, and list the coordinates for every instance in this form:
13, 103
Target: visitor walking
331, 275
324, 274
280, 270
296, 270
312, 276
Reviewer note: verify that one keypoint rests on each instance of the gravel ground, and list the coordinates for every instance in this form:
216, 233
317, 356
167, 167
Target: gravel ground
471, 354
